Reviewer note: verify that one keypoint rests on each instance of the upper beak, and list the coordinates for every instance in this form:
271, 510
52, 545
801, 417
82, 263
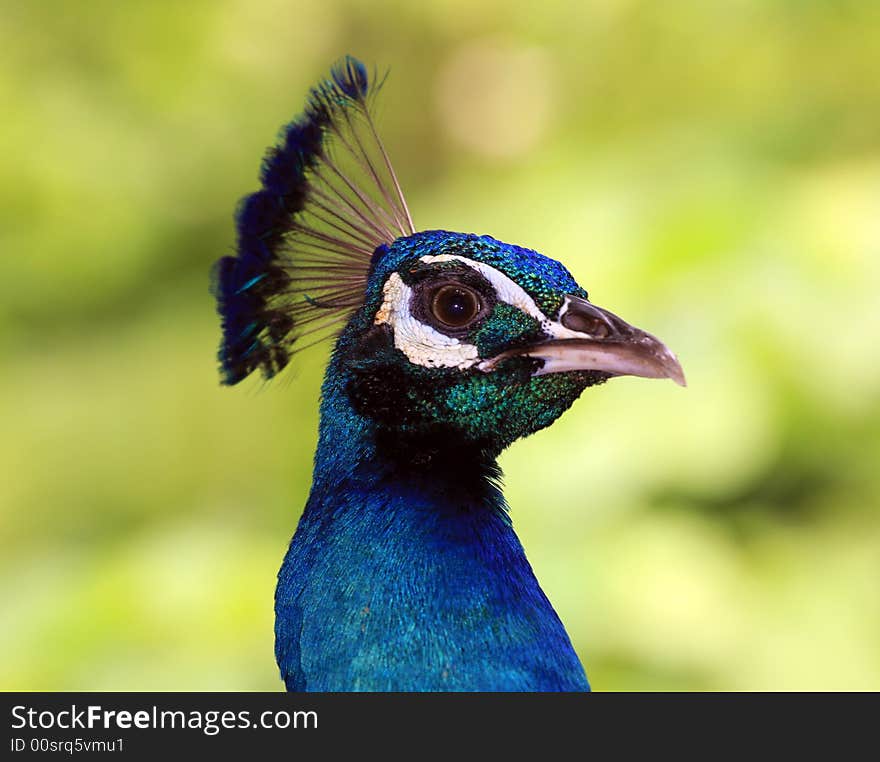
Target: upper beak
591, 338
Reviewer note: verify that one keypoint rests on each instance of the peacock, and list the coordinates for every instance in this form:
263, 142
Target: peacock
404, 572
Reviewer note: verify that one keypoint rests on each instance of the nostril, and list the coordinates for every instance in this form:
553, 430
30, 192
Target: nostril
588, 324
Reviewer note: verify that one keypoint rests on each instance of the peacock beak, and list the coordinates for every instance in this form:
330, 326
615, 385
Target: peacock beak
587, 337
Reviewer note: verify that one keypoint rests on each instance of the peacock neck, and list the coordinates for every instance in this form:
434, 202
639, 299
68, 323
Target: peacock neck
405, 572
438, 468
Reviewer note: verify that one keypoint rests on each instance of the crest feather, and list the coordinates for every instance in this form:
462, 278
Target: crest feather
329, 199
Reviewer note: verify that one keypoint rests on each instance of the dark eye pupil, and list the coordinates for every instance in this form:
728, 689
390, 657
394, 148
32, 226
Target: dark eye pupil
455, 306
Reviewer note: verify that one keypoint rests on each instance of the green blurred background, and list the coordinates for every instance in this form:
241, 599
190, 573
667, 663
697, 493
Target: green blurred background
710, 171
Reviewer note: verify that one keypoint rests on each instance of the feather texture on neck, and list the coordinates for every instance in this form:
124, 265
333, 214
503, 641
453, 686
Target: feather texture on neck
405, 573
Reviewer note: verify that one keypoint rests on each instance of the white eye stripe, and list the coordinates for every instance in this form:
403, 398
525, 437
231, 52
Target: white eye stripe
423, 345
505, 289
510, 292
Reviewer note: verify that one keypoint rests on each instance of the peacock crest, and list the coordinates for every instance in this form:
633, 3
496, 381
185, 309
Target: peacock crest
329, 198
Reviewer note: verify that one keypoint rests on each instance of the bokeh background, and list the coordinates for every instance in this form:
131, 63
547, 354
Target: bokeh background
710, 171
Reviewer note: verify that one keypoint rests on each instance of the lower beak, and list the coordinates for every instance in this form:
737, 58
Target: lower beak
597, 340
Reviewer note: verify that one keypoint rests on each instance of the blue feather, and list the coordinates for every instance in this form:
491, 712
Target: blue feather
307, 211
405, 572
410, 580
350, 76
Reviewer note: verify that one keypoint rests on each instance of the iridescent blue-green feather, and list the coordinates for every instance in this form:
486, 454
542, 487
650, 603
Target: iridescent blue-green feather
304, 239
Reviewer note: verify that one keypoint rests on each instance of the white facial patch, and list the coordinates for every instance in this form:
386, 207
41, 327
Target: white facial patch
420, 343
425, 346
511, 292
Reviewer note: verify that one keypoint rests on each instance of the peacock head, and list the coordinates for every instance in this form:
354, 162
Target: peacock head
484, 342
443, 336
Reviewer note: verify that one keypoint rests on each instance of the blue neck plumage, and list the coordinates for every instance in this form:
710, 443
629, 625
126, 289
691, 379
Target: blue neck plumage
405, 573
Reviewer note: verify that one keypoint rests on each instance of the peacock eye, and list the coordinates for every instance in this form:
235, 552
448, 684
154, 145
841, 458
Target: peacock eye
455, 306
